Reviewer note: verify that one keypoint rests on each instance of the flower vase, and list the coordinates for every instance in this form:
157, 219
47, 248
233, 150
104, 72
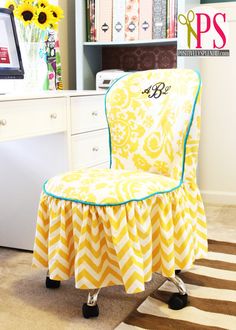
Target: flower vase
35, 66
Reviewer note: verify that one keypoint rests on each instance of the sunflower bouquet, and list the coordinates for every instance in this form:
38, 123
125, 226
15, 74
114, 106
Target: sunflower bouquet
37, 21
34, 17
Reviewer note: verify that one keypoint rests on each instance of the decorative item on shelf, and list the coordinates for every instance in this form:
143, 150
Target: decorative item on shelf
35, 22
53, 62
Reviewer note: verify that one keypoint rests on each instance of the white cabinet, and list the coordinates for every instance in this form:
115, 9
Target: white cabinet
89, 54
90, 149
31, 152
89, 133
23, 118
87, 114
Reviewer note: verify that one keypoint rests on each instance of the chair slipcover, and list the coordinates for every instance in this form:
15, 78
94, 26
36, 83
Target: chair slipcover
144, 214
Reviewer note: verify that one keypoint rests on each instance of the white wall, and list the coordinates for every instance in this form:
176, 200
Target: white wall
217, 162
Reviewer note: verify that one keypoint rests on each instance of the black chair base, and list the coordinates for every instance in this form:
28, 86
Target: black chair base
90, 311
178, 301
52, 284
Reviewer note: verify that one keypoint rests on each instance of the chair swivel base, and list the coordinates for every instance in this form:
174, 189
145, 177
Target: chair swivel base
52, 284
178, 301
90, 311
91, 308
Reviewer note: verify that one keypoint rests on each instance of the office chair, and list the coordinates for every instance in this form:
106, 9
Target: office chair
145, 214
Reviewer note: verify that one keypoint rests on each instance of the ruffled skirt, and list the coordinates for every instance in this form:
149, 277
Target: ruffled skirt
120, 245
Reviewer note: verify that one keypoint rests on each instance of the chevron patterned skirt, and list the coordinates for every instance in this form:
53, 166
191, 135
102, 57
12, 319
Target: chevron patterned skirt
120, 245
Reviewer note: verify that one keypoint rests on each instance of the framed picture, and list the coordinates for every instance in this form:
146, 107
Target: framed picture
11, 66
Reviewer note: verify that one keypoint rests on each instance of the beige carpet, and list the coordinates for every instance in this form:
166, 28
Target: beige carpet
25, 303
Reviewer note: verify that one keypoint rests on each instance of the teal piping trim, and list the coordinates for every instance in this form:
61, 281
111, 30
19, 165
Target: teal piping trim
117, 204
105, 107
110, 144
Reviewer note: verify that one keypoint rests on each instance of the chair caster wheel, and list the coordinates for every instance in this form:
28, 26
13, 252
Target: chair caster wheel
52, 284
178, 301
90, 311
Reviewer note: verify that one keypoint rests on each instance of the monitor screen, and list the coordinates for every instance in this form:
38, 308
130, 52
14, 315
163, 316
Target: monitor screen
11, 66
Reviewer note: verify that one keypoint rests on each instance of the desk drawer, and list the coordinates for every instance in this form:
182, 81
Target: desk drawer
26, 118
87, 114
90, 149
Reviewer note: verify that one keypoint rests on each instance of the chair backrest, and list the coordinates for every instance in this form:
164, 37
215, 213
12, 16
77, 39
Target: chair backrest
154, 122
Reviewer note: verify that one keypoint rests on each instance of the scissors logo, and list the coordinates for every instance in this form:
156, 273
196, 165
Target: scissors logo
187, 20
203, 31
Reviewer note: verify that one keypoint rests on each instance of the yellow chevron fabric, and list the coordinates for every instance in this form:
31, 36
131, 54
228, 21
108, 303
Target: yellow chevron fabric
145, 215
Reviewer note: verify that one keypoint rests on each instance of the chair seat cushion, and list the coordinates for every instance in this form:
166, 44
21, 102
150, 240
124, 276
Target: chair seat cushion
108, 187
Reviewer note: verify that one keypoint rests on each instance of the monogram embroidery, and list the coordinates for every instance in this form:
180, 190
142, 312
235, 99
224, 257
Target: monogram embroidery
157, 90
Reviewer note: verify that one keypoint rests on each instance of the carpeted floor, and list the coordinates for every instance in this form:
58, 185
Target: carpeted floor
25, 303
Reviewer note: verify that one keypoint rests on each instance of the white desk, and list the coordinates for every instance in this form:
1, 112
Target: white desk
41, 135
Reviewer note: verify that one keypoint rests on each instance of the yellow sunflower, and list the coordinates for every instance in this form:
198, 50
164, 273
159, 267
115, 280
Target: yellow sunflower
27, 1
57, 12
11, 5
54, 26
25, 12
43, 18
43, 3
60, 85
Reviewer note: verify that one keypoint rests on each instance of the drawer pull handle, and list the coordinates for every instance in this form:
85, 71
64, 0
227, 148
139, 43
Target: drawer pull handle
94, 114
53, 116
3, 122
95, 149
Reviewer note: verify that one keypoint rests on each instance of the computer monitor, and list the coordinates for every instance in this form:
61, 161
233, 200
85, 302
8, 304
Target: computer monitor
11, 66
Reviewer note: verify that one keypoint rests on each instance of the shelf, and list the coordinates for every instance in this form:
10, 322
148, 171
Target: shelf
154, 42
89, 55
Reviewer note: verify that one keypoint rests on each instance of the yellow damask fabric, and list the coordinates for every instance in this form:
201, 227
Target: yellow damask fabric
145, 214
108, 187
149, 119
